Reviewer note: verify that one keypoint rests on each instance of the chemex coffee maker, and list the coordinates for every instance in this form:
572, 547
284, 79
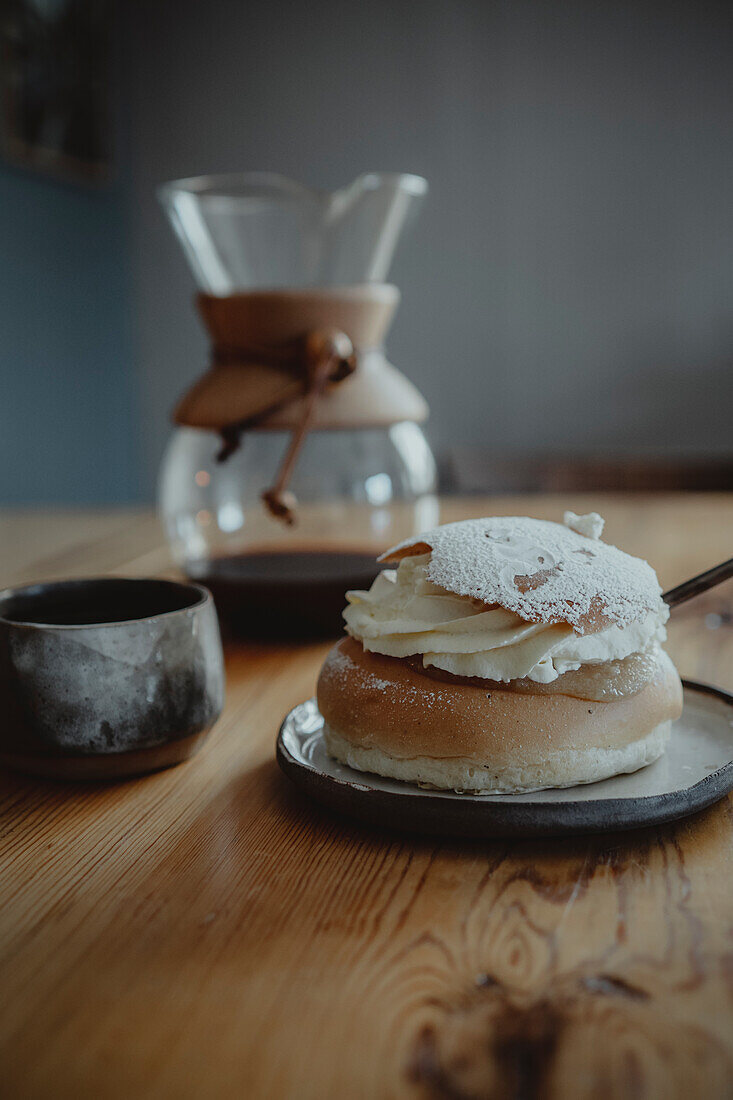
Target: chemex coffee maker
298, 456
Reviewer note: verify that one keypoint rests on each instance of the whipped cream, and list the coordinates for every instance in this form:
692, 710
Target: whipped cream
404, 613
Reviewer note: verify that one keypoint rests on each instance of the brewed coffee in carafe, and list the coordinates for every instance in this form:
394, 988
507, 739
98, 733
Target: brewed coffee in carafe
298, 456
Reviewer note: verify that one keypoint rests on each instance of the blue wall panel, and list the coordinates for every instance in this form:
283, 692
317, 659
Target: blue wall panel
66, 372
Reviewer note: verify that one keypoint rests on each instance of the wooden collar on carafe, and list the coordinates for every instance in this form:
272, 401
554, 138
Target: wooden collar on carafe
271, 349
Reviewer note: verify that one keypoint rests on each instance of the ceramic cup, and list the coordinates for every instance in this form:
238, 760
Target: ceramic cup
107, 678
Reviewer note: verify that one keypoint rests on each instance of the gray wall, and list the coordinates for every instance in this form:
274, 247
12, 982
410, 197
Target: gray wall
568, 284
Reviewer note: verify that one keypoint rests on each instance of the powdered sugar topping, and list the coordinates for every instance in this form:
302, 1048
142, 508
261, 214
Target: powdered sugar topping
544, 572
590, 524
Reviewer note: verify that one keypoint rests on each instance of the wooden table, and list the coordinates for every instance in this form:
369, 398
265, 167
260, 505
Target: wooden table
206, 932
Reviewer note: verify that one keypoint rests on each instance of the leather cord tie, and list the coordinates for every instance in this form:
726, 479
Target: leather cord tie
323, 357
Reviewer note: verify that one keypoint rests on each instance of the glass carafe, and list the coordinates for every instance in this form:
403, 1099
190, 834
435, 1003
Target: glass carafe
364, 477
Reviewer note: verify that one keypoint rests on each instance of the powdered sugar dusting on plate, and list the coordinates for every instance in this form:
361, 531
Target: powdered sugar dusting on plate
542, 571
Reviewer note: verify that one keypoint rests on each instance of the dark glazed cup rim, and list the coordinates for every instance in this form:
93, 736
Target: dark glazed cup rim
147, 591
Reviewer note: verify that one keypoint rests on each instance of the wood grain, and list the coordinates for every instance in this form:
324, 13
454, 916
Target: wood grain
207, 932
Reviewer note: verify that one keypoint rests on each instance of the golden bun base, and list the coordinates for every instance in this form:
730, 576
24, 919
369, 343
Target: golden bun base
381, 715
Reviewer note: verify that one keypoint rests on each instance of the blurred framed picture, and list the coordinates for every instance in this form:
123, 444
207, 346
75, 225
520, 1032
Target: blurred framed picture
55, 86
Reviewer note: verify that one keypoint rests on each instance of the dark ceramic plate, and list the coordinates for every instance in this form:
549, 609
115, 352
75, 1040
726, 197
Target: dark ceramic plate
696, 771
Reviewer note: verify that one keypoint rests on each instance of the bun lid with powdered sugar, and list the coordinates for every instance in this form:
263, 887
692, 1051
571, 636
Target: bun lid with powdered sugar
544, 572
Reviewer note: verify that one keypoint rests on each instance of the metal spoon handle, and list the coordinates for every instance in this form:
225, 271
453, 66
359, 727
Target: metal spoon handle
698, 584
